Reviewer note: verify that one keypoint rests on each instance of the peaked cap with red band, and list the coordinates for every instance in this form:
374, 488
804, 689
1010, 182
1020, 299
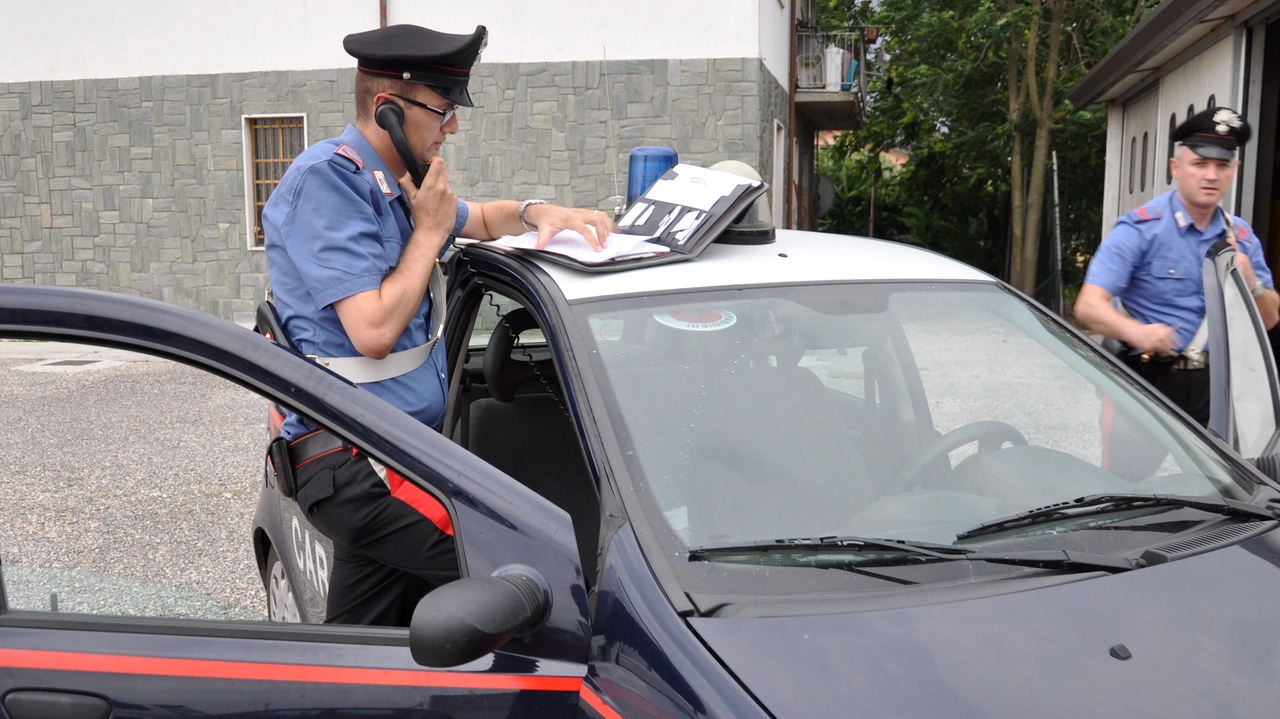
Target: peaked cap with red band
1215, 133
439, 60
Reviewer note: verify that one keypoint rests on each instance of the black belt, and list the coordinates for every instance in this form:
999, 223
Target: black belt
308, 447
287, 456
1144, 361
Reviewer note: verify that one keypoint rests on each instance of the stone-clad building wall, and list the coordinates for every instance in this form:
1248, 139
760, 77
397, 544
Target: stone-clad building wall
137, 185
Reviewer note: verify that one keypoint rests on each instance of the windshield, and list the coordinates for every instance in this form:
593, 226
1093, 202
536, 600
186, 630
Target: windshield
902, 411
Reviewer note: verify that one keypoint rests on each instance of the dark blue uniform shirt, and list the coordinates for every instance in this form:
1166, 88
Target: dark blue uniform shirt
1153, 263
336, 226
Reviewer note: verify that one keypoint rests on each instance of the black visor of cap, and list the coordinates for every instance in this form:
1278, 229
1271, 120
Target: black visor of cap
441, 61
1215, 148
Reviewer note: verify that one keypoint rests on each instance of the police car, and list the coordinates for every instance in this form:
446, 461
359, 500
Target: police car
821, 476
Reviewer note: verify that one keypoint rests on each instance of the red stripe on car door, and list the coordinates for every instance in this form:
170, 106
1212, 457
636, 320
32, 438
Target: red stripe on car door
255, 671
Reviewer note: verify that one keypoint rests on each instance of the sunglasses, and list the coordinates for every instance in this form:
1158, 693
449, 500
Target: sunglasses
444, 114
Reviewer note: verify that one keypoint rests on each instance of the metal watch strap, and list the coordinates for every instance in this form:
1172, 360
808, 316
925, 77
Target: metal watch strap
523, 206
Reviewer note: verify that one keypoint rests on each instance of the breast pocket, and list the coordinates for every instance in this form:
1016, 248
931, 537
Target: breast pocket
1176, 277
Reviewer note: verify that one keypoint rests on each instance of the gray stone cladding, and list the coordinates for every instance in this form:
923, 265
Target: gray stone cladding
136, 184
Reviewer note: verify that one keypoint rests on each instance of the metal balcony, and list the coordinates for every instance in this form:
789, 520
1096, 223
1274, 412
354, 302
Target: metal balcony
829, 78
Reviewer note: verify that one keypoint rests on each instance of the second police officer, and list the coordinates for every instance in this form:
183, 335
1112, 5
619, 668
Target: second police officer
1152, 262
352, 247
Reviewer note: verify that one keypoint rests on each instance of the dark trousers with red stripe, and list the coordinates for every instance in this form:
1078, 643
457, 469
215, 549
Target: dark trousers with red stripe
387, 554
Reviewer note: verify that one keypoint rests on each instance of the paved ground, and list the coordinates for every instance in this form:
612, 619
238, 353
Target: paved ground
127, 484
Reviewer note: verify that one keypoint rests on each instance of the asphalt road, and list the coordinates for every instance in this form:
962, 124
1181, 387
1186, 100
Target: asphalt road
127, 485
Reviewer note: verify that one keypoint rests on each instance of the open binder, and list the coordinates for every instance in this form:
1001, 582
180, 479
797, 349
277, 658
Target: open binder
685, 210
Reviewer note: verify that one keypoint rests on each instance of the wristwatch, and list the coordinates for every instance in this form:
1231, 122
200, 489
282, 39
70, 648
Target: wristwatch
1258, 288
525, 205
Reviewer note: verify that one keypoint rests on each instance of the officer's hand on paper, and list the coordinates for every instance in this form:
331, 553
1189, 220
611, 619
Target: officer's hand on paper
1157, 338
550, 220
434, 206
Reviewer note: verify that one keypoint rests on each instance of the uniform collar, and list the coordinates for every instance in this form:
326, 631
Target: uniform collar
372, 161
1216, 225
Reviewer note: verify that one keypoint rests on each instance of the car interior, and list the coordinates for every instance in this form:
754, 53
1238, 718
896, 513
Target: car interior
510, 412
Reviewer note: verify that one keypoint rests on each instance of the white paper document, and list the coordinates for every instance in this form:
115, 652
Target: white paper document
696, 187
572, 244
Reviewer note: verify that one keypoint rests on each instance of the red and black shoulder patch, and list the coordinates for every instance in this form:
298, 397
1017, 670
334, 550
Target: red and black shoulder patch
1143, 214
350, 153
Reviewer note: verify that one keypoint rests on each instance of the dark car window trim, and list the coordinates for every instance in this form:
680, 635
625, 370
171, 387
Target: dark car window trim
219, 628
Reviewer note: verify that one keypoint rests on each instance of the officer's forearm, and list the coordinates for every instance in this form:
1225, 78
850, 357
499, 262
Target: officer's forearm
1269, 307
491, 220
1093, 308
374, 320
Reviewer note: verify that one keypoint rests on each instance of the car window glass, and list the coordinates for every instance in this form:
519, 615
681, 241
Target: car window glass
1250, 378
129, 487
492, 309
839, 369
824, 410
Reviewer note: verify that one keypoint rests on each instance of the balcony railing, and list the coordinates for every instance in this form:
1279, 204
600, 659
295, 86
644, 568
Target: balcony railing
828, 61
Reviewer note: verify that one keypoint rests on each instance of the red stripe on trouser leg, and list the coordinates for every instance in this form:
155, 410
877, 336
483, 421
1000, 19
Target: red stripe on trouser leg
427, 506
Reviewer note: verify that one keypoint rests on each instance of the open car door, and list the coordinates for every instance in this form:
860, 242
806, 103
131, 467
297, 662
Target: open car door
1244, 408
127, 645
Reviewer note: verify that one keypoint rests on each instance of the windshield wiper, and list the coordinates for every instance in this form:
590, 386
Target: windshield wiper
936, 551
1060, 559
1105, 503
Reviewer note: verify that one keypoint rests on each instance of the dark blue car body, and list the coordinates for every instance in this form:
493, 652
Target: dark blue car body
1186, 638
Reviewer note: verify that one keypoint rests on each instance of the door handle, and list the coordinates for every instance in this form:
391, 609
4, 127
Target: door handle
55, 705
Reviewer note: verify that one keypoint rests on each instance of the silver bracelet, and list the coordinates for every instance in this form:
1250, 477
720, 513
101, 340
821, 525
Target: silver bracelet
523, 206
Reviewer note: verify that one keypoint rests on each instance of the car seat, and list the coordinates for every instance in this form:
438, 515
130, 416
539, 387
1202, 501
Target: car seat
524, 429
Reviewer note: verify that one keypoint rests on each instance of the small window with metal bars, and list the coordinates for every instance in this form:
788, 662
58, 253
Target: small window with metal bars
271, 144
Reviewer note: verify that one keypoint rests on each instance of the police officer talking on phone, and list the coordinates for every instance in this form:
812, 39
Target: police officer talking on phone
1152, 262
353, 234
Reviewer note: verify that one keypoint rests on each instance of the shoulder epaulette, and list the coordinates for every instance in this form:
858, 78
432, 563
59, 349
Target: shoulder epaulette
350, 153
1242, 231
1143, 214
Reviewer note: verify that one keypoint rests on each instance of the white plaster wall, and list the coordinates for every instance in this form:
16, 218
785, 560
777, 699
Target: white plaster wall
561, 30
775, 38
69, 39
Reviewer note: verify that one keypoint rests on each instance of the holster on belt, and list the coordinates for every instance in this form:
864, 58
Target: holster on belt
282, 466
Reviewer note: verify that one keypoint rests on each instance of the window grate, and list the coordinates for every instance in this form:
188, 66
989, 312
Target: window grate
274, 141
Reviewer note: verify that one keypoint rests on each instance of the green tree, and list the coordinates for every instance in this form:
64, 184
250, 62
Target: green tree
975, 94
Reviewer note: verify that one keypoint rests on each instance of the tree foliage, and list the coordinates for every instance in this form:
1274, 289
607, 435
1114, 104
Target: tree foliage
980, 155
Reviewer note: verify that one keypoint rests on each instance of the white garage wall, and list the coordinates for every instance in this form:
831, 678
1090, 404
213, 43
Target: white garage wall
562, 30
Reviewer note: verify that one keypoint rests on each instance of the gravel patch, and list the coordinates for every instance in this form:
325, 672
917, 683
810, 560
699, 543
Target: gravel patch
129, 488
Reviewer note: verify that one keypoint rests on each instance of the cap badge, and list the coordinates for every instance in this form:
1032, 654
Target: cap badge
408, 75
1226, 120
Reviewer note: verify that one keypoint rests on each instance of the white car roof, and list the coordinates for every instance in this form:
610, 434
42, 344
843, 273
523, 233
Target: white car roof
796, 257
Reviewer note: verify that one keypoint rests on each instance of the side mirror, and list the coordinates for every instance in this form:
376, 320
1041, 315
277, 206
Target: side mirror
467, 619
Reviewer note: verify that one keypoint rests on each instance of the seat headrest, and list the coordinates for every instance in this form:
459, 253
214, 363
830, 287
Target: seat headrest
504, 374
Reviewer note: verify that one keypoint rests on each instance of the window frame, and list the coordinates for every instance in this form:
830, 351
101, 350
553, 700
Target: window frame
246, 129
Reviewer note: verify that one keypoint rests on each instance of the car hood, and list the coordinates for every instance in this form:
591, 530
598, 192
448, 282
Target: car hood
1199, 631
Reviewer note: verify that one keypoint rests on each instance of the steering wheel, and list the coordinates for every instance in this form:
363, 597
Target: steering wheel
989, 434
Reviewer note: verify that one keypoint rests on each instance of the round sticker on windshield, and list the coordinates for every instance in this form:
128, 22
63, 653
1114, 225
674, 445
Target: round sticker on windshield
697, 320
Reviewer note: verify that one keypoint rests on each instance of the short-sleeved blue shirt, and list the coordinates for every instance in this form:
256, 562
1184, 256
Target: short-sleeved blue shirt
1153, 263
336, 226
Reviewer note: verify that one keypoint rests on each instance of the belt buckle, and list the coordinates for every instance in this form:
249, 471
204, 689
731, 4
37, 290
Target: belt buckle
317, 360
